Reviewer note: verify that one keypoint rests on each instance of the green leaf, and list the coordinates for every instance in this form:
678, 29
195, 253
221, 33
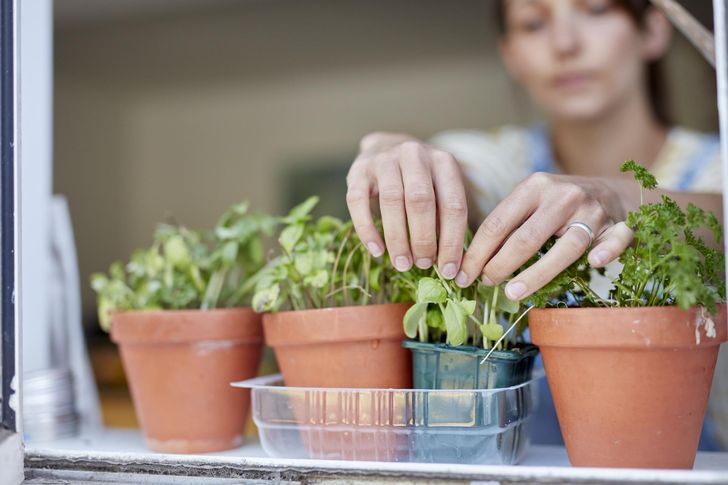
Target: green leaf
303, 263
505, 304
430, 290
266, 299
230, 252
99, 282
455, 323
105, 308
468, 306
301, 212
641, 174
435, 319
256, 251
413, 318
492, 331
290, 236
177, 252
328, 224
318, 280
374, 278
240, 208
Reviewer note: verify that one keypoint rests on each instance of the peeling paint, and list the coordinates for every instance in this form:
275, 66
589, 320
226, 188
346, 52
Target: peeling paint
703, 319
13, 400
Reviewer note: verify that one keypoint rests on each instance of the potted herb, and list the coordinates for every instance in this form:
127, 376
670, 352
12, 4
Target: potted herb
174, 310
630, 374
334, 313
469, 338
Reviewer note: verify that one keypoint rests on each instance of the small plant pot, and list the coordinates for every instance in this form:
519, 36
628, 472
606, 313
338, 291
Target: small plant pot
345, 347
630, 385
496, 425
440, 366
180, 364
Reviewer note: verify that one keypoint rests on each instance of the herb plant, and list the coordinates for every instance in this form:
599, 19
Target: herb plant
668, 264
186, 269
323, 264
478, 315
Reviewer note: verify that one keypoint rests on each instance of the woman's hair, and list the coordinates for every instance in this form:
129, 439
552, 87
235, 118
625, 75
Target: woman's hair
637, 10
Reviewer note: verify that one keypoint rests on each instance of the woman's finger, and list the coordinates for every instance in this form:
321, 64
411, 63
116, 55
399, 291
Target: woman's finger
358, 198
452, 210
419, 201
523, 243
610, 245
392, 207
494, 230
567, 249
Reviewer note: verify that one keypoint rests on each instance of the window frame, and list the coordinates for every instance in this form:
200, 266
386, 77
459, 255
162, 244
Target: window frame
95, 464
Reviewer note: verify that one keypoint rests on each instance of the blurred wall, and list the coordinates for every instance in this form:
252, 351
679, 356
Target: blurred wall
183, 113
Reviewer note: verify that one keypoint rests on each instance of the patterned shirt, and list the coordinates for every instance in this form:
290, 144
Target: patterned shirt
495, 162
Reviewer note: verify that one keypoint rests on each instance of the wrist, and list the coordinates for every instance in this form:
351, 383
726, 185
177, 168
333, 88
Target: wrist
379, 141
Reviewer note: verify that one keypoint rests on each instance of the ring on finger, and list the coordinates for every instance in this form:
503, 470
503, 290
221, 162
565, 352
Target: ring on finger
583, 227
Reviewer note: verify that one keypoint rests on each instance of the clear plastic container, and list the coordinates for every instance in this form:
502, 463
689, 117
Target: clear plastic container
426, 426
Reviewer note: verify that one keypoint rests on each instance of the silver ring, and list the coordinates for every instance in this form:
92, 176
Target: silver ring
583, 227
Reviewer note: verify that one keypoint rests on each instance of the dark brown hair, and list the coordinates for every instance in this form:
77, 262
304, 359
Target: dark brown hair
637, 10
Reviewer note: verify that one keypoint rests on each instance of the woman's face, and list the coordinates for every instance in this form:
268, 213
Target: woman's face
578, 59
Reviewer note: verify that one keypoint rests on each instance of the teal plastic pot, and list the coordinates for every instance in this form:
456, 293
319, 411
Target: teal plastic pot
474, 427
441, 366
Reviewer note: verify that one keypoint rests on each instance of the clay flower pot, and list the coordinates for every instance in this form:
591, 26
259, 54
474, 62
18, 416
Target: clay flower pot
349, 347
345, 347
179, 364
630, 385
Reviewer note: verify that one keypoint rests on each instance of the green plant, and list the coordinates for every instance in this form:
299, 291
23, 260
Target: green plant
185, 268
476, 315
668, 264
323, 264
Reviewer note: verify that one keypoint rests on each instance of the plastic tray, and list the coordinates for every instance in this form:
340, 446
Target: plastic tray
425, 426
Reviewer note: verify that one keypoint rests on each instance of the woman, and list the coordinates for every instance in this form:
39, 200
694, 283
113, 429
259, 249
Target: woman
589, 64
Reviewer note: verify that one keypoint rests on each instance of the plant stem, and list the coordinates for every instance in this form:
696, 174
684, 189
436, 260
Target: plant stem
336, 260
346, 271
365, 276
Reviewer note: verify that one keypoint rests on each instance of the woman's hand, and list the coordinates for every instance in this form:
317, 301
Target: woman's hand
541, 206
421, 194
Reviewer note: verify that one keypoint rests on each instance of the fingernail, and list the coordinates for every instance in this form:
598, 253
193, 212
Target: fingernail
516, 290
449, 270
375, 249
601, 256
461, 279
402, 263
487, 281
423, 263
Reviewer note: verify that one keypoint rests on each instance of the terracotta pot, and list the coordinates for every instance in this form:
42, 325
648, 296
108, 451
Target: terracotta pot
630, 385
349, 347
180, 365
346, 347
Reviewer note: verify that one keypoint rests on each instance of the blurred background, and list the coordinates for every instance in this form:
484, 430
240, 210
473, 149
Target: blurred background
176, 109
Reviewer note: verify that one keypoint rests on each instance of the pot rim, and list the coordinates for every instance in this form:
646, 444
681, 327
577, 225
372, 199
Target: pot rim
349, 308
342, 324
527, 350
634, 328
175, 327
612, 310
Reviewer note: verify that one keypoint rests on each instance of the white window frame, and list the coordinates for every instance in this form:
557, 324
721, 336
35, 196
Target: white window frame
152, 468
11, 446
